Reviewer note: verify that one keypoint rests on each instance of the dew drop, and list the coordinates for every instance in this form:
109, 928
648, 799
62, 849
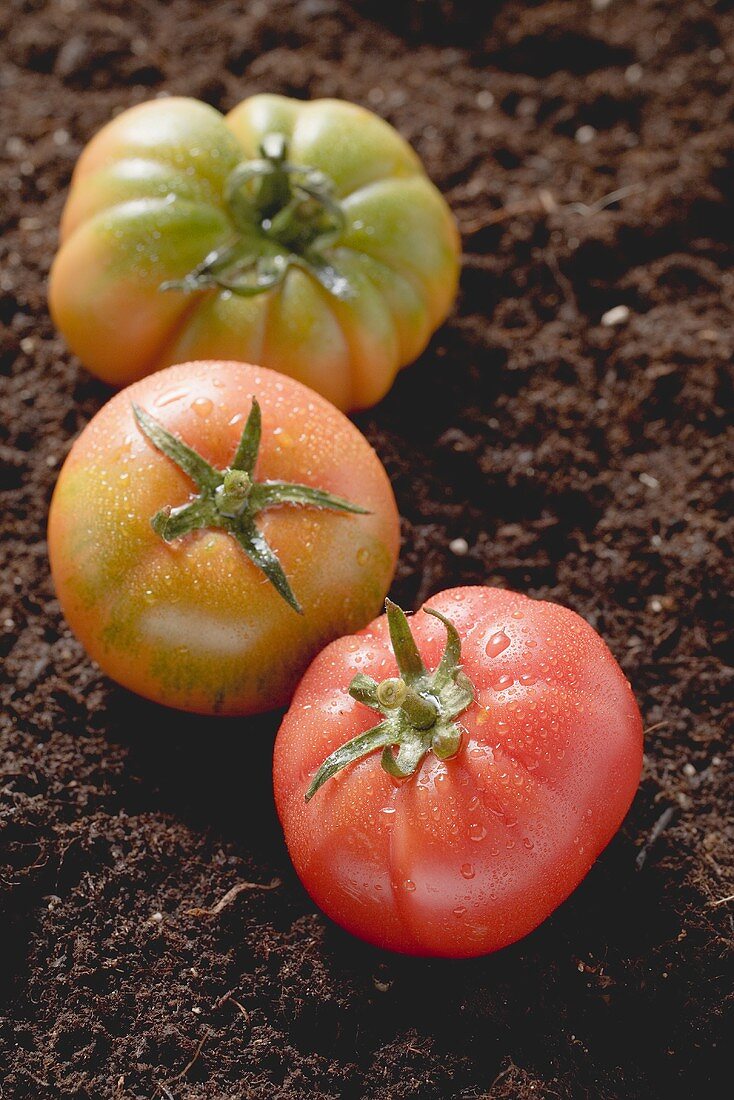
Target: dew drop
459, 910
497, 644
170, 396
477, 831
409, 885
202, 406
502, 683
467, 870
283, 438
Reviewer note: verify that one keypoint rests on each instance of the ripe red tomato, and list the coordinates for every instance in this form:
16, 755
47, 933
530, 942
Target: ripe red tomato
503, 775
213, 527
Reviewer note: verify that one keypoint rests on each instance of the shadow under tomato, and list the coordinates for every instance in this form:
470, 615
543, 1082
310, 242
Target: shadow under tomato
582, 978
211, 773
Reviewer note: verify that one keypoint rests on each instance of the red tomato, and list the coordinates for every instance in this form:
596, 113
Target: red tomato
520, 755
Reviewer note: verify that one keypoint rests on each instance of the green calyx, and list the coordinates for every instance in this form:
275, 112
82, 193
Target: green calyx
231, 499
419, 707
285, 215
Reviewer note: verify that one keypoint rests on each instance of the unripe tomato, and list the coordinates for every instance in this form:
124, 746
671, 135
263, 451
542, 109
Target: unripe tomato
212, 528
303, 236
495, 776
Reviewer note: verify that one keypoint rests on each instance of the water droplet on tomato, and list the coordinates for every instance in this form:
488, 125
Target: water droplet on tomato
409, 885
459, 910
467, 870
202, 406
497, 644
502, 683
477, 831
170, 396
283, 438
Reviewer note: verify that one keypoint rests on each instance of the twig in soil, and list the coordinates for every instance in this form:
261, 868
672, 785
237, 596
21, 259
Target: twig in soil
587, 209
199, 1047
658, 828
229, 998
721, 901
657, 726
563, 282
230, 896
544, 202
503, 1073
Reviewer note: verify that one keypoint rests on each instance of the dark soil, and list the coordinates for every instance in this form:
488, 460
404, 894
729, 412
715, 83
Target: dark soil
581, 461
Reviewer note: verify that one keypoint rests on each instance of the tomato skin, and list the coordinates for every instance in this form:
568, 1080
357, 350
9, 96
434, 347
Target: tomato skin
194, 624
469, 854
148, 203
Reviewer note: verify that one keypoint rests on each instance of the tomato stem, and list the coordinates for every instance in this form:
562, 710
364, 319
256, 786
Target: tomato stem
230, 499
232, 495
391, 693
284, 215
419, 707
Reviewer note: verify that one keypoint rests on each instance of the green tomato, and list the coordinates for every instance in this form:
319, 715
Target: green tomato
305, 237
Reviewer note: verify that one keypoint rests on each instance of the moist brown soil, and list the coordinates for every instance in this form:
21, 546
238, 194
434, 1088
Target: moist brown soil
581, 461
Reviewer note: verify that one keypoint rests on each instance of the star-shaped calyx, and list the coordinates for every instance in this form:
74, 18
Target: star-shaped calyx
419, 707
230, 499
283, 216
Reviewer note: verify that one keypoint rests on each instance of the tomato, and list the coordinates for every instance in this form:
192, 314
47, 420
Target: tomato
302, 236
212, 528
446, 803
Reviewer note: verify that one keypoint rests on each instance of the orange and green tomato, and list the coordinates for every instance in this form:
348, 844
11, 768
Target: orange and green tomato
191, 619
302, 236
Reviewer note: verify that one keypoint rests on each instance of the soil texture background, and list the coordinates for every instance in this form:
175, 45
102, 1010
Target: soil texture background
587, 147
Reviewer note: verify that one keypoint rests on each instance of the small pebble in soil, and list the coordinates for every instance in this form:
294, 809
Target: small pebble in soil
459, 547
617, 315
585, 135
